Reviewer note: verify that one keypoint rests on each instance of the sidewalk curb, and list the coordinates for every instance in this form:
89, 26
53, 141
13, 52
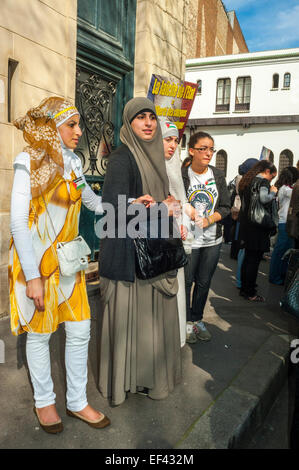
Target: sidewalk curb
241, 408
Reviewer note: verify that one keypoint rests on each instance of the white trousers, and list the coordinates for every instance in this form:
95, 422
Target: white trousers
181, 296
76, 354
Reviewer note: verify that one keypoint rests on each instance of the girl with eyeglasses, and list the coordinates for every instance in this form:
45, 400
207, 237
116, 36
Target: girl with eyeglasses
207, 192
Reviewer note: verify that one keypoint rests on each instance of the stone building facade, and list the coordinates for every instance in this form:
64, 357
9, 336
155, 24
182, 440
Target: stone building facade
160, 47
213, 31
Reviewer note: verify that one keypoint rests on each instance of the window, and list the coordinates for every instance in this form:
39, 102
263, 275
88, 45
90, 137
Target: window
221, 161
223, 94
275, 82
199, 83
285, 159
184, 141
287, 80
243, 93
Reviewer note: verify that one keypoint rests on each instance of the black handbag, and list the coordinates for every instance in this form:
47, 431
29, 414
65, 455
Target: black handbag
155, 256
264, 215
293, 264
290, 300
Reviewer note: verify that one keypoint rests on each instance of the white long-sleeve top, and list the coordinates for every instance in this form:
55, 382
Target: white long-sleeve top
176, 189
284, 199
20, 202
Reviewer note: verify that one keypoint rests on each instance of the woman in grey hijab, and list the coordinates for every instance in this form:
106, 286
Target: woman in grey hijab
139, 335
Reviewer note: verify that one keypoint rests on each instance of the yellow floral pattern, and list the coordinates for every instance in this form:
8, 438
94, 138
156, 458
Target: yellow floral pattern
44, 147
65, 297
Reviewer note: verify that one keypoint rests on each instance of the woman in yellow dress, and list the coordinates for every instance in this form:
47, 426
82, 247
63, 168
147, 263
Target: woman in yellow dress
45, 208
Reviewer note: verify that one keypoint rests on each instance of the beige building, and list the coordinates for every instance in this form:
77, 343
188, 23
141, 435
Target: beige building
218, 31
45, 42
160, 47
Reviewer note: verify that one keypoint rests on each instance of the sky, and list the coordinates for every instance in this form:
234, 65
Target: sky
267, 24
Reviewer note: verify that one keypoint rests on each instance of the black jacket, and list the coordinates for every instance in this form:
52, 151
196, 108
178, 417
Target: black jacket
117, 255
223, 202
253, 237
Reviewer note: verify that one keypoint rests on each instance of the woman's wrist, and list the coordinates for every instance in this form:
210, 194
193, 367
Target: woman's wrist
210, 220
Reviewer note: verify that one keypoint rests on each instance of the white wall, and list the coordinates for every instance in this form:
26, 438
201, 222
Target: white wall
238, 142
264, 100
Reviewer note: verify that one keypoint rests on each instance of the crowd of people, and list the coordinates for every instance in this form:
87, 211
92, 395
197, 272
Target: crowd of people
144, 323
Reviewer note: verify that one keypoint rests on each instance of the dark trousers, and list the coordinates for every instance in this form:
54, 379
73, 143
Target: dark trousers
249, 271
278, 267
200, 269
235, 246
227, 228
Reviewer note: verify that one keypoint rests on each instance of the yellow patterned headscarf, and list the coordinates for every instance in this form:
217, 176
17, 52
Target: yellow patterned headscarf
39, 127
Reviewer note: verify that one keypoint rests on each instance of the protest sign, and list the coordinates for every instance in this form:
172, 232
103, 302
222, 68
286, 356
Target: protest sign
265, 154
173, 99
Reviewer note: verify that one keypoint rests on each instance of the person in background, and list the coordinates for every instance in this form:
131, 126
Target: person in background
170, 136
207, 192
292, 226
236, 205
48, 189
284, 184
254, 238
243, 169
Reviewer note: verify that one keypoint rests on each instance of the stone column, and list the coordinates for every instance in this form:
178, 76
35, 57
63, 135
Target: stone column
160, 41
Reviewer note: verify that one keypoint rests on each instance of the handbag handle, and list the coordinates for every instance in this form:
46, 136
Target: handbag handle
49, 218
65, 299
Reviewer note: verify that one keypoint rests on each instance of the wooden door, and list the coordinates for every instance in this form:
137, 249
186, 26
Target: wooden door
105, 80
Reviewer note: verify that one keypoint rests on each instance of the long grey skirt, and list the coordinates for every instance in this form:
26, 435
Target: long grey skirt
139, 340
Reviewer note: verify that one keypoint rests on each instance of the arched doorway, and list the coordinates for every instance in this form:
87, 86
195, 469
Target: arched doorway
221, 161
286, 158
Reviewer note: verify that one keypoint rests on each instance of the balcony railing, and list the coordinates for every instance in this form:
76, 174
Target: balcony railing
222, 107
242, 107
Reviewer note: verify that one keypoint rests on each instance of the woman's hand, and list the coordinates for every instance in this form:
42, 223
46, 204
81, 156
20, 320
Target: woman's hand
174, 206
201, 222
146, 199
190, 211
184, 232
273, 189
35, 290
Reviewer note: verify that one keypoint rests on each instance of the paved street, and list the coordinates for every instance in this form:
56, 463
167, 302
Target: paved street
241, 331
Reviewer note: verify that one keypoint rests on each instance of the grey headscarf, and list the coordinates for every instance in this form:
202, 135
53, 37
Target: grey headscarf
173, 164
169, 129
149, 154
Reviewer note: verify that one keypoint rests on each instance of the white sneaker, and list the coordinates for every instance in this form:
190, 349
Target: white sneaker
201, 331
190, 334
